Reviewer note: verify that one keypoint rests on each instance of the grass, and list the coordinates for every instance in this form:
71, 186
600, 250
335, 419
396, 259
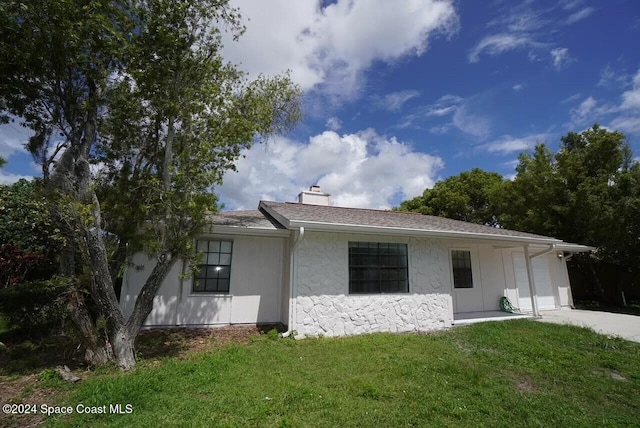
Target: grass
516, 373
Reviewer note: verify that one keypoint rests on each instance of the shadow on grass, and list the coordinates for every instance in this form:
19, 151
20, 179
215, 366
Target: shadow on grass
175, 342
24, 353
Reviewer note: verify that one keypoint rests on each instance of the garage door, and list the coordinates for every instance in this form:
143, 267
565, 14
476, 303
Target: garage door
542, 277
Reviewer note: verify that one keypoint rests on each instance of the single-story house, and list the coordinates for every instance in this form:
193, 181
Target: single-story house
325, 270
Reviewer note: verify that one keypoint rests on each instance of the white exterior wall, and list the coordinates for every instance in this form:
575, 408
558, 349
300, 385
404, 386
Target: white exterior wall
255, 292
323, 305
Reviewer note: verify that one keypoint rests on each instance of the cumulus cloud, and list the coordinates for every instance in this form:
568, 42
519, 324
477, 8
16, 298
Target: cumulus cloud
328, 47
508, 144
560, 58
363, 169
518, 87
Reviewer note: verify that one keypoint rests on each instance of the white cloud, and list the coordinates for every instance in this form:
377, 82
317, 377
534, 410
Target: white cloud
571, 98
508, 144
8, 178
570, 4
518, 87
561, 58
471, 123
609, 77
441, 111
329, 47
584, 112
440, 129
333, 123
631, 98
13, 136
395, 100
463, 113
361, 170
579, 15
500, 43
626, 124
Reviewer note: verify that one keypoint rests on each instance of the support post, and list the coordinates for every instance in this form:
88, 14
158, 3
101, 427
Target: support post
532, 284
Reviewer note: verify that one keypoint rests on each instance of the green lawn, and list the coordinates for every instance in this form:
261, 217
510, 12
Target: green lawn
516, 373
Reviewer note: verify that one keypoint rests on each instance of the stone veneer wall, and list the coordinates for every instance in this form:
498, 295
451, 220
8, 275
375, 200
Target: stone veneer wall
324, 306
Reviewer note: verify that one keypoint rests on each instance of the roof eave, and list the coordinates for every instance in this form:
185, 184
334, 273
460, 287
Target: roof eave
245, 230
385, 230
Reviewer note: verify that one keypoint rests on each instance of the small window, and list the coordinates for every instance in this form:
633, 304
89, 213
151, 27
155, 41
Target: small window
376, 268
461, 263
214, 272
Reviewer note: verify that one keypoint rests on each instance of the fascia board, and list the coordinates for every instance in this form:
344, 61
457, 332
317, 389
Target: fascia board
574, 248
383, 230
247, 231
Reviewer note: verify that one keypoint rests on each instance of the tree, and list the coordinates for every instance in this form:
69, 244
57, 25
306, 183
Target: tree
470, 196
588, 193
136, 116
535, 201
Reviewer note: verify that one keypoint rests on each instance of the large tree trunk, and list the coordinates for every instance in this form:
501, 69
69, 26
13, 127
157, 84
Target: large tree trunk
98, 351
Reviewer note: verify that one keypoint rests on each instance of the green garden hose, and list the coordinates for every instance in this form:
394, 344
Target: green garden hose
507, 306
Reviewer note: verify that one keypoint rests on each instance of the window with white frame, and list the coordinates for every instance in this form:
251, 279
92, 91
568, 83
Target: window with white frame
461, 264
376, 268
214, 273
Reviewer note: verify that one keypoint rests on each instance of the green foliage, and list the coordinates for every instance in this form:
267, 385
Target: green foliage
25, 219
587, 192
35, 308
470, 196
30, 236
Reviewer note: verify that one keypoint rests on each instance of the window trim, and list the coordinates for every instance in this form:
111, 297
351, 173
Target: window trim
474, 281
204, 292
380, 268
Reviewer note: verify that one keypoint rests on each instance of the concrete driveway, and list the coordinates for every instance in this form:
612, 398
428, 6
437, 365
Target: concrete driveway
625, 326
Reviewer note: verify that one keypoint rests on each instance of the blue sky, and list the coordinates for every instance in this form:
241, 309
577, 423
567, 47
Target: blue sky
400, 94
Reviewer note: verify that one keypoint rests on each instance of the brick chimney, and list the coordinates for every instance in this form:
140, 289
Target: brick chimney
314, 196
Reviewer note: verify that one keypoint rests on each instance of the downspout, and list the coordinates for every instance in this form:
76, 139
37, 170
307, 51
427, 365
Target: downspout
530, 277
178, 318
291, 327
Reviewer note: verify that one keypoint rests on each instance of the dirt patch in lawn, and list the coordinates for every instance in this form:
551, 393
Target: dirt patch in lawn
25, 390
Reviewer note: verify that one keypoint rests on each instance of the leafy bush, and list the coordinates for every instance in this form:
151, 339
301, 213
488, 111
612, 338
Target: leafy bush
35, 308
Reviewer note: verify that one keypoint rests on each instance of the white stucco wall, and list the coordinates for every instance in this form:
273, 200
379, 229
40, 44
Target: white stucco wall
323, 305
255, 292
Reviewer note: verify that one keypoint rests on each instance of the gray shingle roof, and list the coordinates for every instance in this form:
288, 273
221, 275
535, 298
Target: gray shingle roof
301, 213
247, 218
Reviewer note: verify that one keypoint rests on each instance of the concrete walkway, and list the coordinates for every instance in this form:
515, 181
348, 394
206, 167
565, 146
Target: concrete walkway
622, 325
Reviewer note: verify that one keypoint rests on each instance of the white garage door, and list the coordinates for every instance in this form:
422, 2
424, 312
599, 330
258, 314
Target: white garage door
542, 277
